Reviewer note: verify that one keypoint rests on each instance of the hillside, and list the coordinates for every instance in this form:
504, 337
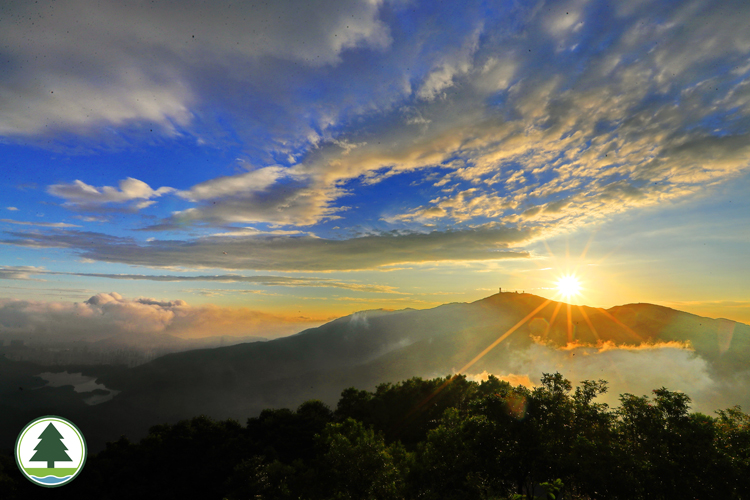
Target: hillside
367, 348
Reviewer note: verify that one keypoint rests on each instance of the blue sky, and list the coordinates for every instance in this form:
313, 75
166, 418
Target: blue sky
290, 162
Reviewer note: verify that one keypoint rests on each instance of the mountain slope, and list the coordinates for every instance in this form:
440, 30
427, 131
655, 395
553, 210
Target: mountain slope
372, 347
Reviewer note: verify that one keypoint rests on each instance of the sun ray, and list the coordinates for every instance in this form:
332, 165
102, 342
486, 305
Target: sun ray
504, 336
552, 320
551, 253
588, 322
468, 365
586, 248
623, 325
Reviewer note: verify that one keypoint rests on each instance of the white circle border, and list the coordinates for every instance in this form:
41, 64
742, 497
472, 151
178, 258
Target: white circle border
60, 420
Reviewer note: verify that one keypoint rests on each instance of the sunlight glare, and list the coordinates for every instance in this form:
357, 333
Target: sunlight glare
569, 286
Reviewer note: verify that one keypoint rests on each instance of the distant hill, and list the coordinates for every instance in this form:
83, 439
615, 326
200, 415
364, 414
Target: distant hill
371, 347
129, 349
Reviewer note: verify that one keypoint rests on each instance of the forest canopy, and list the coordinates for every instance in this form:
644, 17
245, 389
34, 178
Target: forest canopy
444, 438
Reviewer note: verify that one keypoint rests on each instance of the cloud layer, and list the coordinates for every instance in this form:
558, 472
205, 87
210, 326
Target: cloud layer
523, 139
120, 62
26, 273
283, 253
495, 122
109, 314
632, 369
349, 135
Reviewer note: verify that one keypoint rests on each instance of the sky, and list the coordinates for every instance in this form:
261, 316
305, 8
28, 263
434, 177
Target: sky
242, 168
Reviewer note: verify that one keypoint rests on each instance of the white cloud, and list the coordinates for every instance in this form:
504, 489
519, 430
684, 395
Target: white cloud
241, 184
79, 65
56, 100
523, 135
496, 75
567, 17
445, 71
560, 148
80, 194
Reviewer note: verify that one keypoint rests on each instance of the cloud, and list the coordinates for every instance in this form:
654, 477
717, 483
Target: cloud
247, 183
632, 369
20, 273
539, 120
451, 66
110, 314
241, 199
80, 195
529, 141
51, 99
12, 209
285, 281
282, 253
120, 62
252, 231
40, 224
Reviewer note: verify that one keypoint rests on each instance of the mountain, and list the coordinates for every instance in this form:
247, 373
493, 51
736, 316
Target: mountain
371, 347
130, 349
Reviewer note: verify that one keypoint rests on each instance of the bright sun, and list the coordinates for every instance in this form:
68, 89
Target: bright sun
569, 286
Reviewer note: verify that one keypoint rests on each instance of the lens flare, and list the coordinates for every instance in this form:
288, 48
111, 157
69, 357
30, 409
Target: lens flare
569, 286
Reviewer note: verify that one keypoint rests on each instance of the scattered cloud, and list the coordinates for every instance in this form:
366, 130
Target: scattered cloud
573, 121
563, 148
506, 125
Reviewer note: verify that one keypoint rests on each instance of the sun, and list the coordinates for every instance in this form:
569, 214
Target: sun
569, 286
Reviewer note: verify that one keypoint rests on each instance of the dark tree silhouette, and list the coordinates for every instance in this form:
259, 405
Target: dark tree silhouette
440, 439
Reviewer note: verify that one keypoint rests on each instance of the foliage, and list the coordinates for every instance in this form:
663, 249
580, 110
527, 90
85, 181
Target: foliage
445, 438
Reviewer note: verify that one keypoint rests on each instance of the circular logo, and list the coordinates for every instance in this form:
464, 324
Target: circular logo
50, 451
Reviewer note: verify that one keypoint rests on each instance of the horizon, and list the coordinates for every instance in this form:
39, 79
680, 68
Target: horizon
256, 170
249, 338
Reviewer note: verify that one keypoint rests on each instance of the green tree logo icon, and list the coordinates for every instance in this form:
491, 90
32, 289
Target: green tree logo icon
51, 448
50, 451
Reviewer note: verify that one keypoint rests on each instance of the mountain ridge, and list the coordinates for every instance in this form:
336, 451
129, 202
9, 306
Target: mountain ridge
367, 348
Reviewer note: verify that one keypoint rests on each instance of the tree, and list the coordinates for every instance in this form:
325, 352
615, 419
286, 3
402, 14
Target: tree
50, 449
358, 464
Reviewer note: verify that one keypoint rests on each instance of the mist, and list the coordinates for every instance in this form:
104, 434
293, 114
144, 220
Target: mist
636, 370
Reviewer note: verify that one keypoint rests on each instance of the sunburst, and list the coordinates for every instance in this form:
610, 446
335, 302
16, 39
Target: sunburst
569, 286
